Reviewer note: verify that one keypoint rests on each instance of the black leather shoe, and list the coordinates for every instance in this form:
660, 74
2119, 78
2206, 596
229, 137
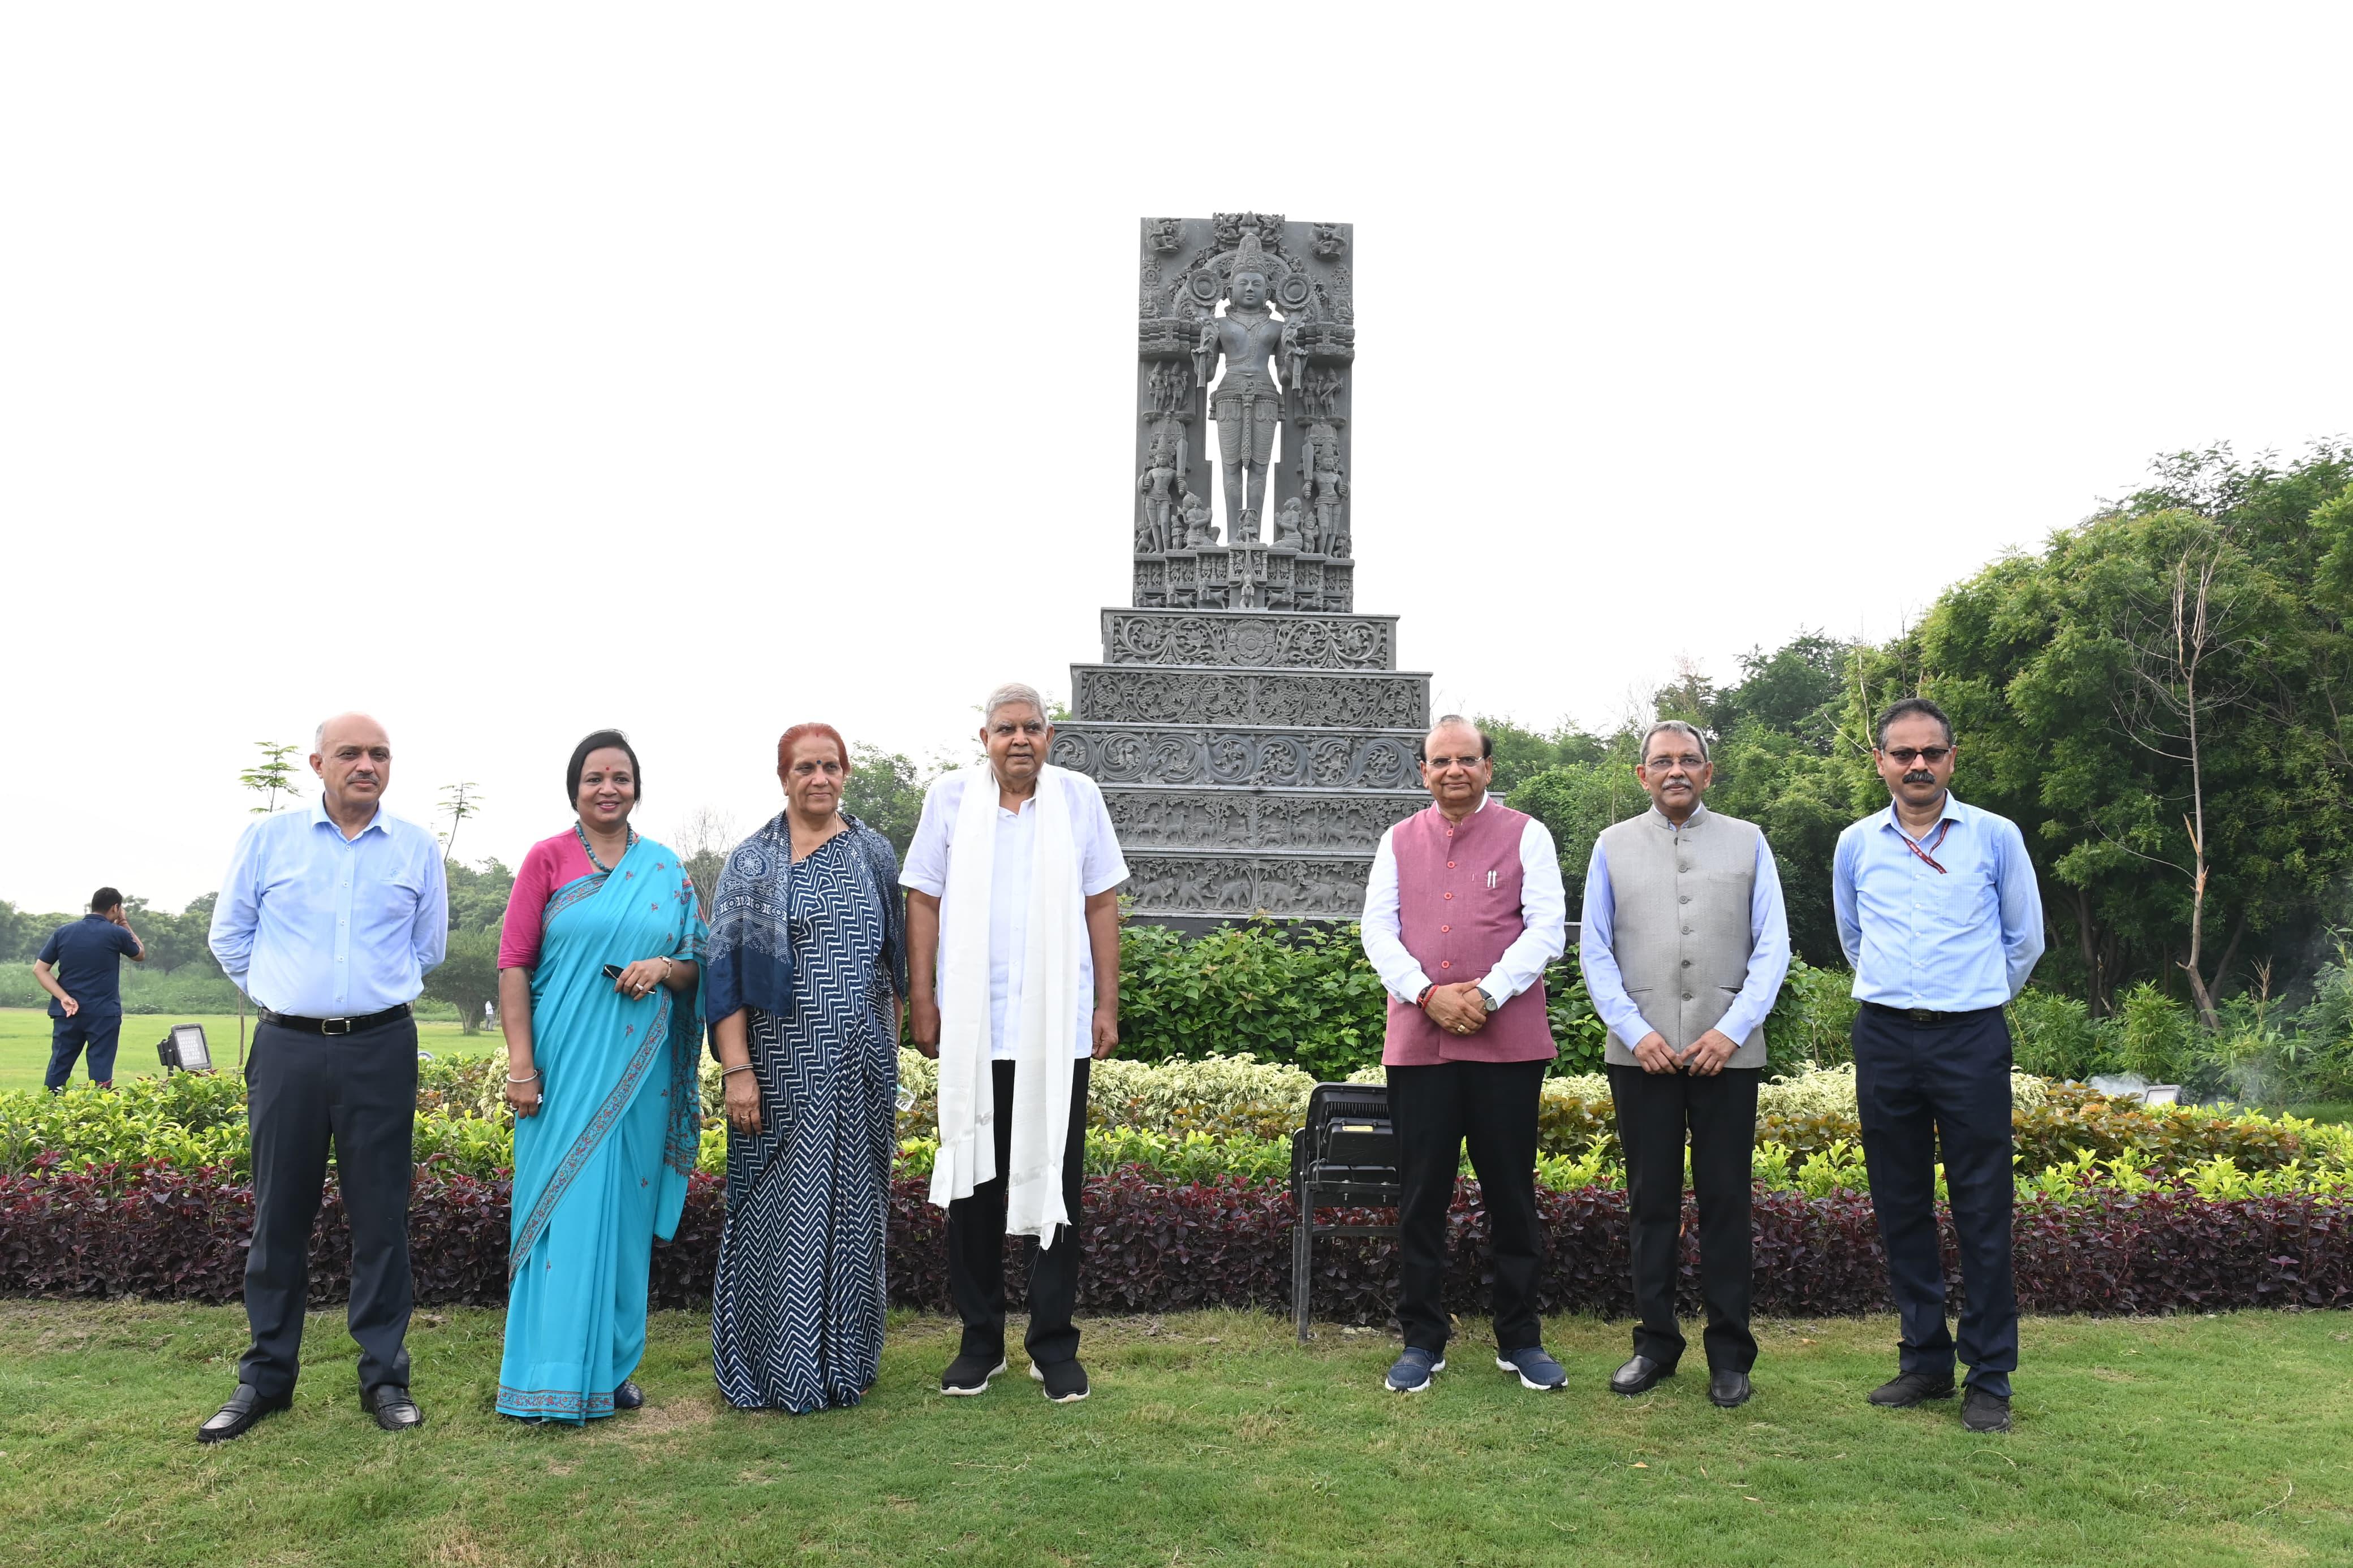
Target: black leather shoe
1639, 1376
629, 1397
1904, 1392
1729, 1390
1983, 1412
393, 1409
235, 1419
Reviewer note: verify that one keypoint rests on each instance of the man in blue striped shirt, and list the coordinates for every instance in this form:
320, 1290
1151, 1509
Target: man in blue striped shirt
1940, 915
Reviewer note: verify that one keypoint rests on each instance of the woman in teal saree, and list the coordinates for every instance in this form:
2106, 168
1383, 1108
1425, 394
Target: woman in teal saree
597, 969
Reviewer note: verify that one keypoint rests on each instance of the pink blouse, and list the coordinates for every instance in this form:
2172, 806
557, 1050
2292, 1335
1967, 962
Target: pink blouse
549, 864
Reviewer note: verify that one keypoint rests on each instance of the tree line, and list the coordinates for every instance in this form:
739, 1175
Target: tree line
2159, 698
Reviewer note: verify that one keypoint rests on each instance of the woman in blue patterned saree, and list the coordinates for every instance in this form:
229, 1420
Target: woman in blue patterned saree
807, 975
597, 994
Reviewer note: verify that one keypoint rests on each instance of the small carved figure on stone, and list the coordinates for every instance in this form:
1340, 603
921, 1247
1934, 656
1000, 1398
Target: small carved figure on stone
1287, 533
1200, 534
1249, 599
1295, 362
1166, 234
1161, 482
1326, 488
1329, 240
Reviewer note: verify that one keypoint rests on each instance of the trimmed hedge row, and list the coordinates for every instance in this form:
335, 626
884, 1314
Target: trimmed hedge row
1152, 1246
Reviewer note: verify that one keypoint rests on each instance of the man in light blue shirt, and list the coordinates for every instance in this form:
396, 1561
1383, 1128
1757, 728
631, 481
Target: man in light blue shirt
1940, 914
1684, 944
329, 919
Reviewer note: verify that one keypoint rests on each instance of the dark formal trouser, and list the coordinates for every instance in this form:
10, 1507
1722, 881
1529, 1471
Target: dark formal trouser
977, 1243
1492, 1107
101, 1032
301, 1090
1922, 1091
1654, 1110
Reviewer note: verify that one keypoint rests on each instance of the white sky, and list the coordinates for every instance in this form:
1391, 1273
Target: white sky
509, 371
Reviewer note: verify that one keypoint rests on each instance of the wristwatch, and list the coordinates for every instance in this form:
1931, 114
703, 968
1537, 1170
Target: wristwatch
1489, 997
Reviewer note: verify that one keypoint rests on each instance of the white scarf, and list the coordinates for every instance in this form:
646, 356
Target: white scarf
1050, 1002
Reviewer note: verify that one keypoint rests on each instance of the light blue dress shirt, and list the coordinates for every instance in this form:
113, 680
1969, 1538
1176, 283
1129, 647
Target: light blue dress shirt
315, 925
1768, 953
1953, 942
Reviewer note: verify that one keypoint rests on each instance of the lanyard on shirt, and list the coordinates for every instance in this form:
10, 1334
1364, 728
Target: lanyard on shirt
1913, 845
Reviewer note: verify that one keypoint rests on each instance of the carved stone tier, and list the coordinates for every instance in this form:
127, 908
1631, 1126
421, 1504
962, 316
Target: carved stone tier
1246, 576
1330, 886
1210, 819
1213, 754
1184, 695
1266, 639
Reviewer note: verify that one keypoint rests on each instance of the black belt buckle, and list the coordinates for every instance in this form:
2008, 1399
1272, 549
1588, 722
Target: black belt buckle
1922, 1015
327, 1025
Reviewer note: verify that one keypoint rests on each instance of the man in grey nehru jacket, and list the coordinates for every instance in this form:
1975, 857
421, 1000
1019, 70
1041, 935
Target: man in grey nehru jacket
1685, 943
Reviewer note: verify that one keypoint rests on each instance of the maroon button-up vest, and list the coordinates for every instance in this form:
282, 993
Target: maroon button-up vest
1458, 910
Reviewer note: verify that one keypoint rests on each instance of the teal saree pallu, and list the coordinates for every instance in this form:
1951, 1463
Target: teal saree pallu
601, 1170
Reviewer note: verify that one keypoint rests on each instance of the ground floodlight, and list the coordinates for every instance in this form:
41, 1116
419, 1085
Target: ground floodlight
184, 1049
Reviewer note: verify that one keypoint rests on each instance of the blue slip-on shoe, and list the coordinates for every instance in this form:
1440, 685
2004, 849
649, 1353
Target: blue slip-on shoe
1538, 1372
1414, 1370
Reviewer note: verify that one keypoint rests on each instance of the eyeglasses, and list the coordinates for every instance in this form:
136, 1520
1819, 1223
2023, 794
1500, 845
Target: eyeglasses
1905, 756
1687, 761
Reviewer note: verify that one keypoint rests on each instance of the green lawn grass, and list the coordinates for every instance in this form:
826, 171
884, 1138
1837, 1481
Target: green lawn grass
1210, 1439
25, 1042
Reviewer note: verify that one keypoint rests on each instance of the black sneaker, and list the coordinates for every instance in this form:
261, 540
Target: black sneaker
1904, 1392
969, 1374
1983, 1412
1065, 1381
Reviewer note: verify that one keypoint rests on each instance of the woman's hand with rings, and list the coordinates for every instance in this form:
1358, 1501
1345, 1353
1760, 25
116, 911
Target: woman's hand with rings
523, 1098
639, 979
744, 1100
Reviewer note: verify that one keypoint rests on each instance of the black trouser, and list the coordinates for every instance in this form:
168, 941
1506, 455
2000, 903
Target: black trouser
101, 1032
977, 1243
301, 1090
1719, 1112
1923, 1089
1490, 1106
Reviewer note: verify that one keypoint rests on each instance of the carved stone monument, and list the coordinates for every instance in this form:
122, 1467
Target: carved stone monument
1253, 734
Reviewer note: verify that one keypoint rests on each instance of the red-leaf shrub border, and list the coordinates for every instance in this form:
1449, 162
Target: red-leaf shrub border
1153, 1246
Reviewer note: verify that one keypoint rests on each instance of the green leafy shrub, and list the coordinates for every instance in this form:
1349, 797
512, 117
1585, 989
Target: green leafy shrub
1304, 997
2055, 1036
1812, 1021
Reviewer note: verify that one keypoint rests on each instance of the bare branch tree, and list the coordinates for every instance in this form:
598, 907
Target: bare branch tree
2184, 670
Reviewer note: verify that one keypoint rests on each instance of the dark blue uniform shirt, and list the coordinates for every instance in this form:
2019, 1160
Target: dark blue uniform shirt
84, 957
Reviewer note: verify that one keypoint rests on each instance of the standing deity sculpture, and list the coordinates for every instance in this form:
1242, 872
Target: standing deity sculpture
1325, 488
1247, 404
1162, 481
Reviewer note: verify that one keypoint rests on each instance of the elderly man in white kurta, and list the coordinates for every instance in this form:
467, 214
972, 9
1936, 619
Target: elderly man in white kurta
1013, 949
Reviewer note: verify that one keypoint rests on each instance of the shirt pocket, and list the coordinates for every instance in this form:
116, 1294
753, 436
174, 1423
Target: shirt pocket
398, 896
1956, 901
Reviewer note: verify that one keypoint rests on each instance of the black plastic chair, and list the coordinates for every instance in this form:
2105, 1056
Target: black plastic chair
1346, 1156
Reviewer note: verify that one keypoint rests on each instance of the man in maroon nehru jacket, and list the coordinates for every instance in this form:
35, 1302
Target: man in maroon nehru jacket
1464, 910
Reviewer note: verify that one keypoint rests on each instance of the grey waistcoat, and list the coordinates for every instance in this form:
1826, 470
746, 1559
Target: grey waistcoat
1681, 931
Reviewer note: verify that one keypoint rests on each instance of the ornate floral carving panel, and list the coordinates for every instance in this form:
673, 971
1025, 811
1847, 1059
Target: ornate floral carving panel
1146, 696
1244, 819
1266, 641
1209, 754
1242, 885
